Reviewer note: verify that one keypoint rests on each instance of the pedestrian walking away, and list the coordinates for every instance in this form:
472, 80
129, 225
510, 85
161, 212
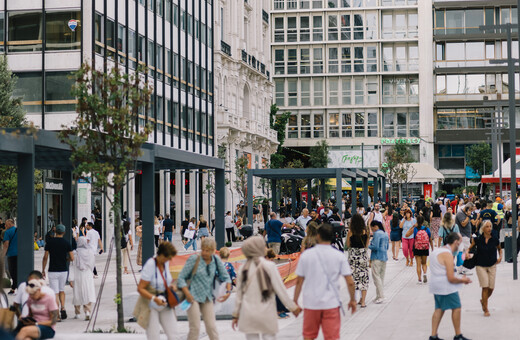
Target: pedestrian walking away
444, 286
156, 231
323, 310
487, 248
193, 240
202, 227
127, 245
94, 241
168, 227
396, 235
42, 309
203, 270
273, 230
422, 244
81, 279
152, 309
11, 252
229, 226
258, 284
378, 258
357, 243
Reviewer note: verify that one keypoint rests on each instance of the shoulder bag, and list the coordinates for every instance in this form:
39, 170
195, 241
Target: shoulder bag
170, 295
472, 262
336, 293
219, 287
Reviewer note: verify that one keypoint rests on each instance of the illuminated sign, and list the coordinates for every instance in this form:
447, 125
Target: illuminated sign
391, 141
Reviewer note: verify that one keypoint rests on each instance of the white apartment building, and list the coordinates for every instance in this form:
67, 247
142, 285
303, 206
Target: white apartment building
243, 87
357, 73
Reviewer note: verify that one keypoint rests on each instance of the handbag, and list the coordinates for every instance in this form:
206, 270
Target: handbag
7, 319
219, 287
180, 294
189, 234
169, 294
472, 262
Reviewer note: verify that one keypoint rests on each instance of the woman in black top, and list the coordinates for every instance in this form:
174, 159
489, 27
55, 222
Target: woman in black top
435, 223
396, 233
486, 261
357, 243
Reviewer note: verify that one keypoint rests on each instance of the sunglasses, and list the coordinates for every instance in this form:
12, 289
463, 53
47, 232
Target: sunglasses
32, 285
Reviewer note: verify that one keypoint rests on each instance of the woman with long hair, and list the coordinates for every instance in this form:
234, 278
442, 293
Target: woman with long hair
421, 247
193, 241
156, 230
357, 243
139, 234
127, 234
387, 218
258, 284
447, 226
406, 224
395, 235
310, 238
435, 222
202, 226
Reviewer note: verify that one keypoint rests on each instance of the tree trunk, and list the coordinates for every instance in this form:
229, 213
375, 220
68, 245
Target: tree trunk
400, 192
116, 207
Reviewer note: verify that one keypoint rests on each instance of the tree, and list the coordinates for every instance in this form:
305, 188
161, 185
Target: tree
287, 184
104, 140
319, 155
12, 115
279, 124
241, 176
478, 157
397, 167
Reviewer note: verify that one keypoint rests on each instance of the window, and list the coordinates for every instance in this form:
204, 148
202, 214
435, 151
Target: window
58, 97
359, 91
58, 35
346, 60
358, 60
318, 126
346, 29
333, 27
316, 4
454, 21
317, 66
279, 31
334, 125
333, 60
372, 92
169, 67
388, 123
279, 61
2, 31
400, 58
292, 61
305, 31
305, 61
317, 28
371, 59
388, 29
279, 4
372, 124
280, 92
371, 26
292, 4
305, 4
360, 124
388, 58
121, 43
292, 32
151, 59
132, 53
168, 13
292, 126
24, 32
305, 91
318, 91
29, 87
413, 58
333, 91
413, 25
305, 126
346, 125
332, 3
358, 27
346, 96
413, 123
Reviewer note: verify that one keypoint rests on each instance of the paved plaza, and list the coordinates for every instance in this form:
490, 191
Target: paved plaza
406, 314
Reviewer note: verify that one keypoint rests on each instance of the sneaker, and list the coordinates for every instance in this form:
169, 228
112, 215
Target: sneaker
425, 278
434, 338
87, 316
460, 337
378, 301
11, 292
63, 314
76, 316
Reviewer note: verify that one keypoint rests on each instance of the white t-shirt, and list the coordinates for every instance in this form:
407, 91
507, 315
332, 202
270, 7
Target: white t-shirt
315, 265
93, 239
302, 221
157, 229
22, 296
151, 273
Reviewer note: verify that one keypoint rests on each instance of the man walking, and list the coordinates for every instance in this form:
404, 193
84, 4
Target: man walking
273, 229
59, 250
444, 285
94, 240
462, 219
167, 229
11, 251
229, 226
318, 271
303, 219
378, 258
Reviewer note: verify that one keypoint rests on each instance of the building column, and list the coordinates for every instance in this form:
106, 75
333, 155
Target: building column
66, 208
25, 220
339, 186
293, 197
322, 190
162, 192
193, 195
309, 194
249, 197
365, 192
220, 207
206, 196
383, 190
147, 191
353, 194
179, 204
375, 180
274, 196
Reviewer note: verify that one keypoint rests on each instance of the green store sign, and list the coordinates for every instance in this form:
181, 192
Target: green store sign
391, 141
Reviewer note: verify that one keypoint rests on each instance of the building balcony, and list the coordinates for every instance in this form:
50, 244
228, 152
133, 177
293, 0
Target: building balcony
254, 63
225, 48
265, 17
226, 119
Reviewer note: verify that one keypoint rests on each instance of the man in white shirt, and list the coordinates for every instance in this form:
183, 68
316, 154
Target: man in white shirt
20, 299
228, 223
303, 219
321, 291
94, 240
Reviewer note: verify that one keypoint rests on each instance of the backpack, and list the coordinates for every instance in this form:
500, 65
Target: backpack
422, 241
445, 237
124, 242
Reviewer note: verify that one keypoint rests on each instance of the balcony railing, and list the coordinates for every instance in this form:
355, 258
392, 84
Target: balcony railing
225, 48
254, 63
244, 56
265, 16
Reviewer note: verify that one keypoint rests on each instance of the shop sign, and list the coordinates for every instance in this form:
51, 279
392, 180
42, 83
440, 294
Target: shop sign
354, 159
54, 186
392, 141
73, 24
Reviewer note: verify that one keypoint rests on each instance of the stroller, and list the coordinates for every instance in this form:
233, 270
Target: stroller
339, 234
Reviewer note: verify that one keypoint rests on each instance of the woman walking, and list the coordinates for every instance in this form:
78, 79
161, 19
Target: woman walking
406, 224
421, 247
357, 243
258, 284
486, 262
193, 240
435, 222
387, 218
200, 290
129, 242
81, 279
310, 238
447, 226
152, 310
139, 234
156, 231
396, 234
202, 226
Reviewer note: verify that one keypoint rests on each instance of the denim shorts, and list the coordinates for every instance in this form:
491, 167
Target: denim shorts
46, 332
445, 302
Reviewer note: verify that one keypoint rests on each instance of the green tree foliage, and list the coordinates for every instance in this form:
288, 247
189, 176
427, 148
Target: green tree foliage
478, 157
319, 155
287, 184
241, 176
279, 124
104, 141
397, 165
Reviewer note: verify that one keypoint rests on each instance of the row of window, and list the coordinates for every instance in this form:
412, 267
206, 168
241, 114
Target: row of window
460, 21
474, 51
317, 91
474, 84
57, 96
25, 31
165, 11
354, 123
307, 4
168, 65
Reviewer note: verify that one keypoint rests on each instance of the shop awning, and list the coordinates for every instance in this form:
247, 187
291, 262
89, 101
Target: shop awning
425, 173
345, 185
506, 171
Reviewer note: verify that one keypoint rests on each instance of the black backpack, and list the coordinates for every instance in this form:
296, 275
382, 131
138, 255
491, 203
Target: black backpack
445, 237
124, 242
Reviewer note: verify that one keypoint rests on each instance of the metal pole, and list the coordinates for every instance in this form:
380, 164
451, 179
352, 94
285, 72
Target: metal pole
512, 145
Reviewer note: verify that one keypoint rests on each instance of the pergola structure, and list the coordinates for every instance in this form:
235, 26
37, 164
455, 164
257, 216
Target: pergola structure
274, 175
43, 150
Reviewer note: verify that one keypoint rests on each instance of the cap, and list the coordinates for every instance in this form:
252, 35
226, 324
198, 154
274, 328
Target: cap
60, 228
